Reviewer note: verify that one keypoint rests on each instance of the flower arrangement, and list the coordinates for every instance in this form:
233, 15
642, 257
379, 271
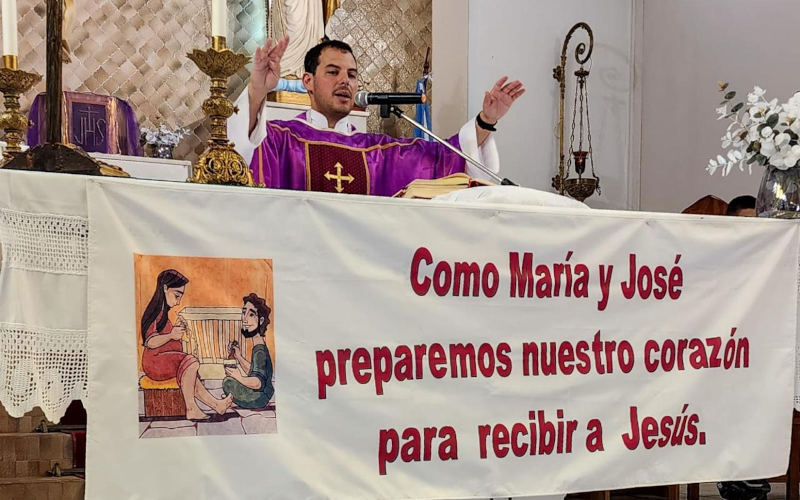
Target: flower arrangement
762, 132
163, 136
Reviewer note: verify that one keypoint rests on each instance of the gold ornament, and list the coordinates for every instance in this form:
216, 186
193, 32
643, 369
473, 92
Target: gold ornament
220, 163
14, 82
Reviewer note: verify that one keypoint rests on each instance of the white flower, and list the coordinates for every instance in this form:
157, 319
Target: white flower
793, 156
712, 166
727, 168
733, 157
162, 135
793, 105
748, 136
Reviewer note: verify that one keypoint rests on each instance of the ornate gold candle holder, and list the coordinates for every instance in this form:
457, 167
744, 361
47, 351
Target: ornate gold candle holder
14, 82
220, 163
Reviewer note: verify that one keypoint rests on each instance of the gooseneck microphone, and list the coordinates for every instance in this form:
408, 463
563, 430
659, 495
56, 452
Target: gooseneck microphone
364, 98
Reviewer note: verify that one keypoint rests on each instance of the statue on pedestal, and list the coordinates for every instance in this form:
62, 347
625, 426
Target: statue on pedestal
304, 22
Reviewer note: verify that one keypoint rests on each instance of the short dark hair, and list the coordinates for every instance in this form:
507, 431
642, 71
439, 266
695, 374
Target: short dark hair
262, 309
741, 203
312, 56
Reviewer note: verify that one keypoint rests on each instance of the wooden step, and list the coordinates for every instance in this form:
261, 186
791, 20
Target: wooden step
32, 454
26, 423
42, 488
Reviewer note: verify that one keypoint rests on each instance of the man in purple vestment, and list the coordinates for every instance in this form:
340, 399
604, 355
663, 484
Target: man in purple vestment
320, 150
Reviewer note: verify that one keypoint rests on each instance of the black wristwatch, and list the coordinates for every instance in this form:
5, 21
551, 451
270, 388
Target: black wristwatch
485, 125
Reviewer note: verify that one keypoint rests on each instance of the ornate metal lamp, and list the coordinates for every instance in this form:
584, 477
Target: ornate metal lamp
220, 163
579, 187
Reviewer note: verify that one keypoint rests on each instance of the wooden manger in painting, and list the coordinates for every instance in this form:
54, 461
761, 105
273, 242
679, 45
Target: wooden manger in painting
209, 332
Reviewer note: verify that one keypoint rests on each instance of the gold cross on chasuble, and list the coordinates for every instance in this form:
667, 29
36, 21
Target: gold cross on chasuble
332, 168
338, 177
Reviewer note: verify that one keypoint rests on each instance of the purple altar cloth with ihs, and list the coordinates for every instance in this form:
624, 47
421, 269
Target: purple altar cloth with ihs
96, 123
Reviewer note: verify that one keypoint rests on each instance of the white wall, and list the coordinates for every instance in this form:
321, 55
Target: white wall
450, 39
522, 39
688, 46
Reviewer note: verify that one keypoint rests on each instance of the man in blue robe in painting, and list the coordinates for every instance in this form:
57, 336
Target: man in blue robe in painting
250, 382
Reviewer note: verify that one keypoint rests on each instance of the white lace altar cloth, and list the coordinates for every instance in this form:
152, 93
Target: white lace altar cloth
44, 234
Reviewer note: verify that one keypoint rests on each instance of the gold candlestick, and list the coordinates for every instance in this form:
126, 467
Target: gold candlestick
14, 82
220, 163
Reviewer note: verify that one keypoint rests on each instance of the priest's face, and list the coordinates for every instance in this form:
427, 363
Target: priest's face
333, 85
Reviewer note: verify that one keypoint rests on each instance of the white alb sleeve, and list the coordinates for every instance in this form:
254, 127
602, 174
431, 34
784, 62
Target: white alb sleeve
486, 153
238, 124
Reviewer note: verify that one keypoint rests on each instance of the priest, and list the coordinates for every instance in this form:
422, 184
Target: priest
320, 150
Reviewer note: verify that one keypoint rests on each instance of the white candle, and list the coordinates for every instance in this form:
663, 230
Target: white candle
219, 21
10, 27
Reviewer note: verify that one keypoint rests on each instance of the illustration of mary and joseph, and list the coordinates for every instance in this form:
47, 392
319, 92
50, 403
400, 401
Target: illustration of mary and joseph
247, 385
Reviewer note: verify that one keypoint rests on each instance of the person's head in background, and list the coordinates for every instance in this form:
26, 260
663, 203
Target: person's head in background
742, 206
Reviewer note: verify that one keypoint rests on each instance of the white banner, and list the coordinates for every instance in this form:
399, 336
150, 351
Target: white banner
424, 350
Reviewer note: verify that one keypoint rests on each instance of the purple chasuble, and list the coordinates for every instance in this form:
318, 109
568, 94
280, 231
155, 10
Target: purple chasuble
295, 155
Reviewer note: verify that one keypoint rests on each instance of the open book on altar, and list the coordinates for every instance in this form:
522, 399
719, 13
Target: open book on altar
428, 188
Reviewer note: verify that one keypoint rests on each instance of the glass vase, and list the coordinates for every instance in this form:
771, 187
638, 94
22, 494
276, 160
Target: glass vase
779, 194
162, 151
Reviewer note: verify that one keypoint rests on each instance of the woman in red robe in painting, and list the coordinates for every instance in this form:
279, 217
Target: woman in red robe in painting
163, 357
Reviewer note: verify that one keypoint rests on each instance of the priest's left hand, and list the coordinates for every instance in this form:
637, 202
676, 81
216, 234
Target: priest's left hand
499, 99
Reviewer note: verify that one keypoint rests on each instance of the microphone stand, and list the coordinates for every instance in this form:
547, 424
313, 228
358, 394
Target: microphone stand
392, 109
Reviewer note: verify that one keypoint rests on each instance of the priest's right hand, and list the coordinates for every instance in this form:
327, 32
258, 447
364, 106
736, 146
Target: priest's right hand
266, 68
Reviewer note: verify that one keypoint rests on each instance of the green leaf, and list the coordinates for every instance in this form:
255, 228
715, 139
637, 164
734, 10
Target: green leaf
772, 120
752, 159
730, 95
737, 107
761, 159
758, 115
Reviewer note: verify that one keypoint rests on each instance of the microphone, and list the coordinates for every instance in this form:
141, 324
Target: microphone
364, 98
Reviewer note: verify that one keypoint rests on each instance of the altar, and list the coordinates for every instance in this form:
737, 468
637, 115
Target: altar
498, 353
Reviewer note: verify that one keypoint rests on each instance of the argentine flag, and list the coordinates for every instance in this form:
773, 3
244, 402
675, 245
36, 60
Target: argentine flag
423, 112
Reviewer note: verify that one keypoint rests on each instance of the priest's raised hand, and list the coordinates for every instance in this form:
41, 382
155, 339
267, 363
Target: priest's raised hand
265, 74
496, 103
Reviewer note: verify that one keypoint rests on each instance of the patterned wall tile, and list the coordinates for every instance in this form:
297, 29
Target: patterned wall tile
389, 39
